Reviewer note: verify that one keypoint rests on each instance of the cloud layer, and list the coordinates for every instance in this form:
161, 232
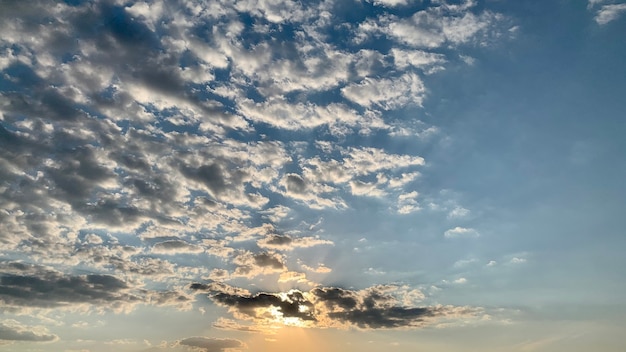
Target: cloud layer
147, 145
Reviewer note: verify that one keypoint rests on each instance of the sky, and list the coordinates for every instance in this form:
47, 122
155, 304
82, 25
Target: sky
336, 175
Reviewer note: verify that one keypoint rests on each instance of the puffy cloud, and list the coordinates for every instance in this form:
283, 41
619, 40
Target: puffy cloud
416, 58
516, 260
459, 232
280, 113
386, 93
407, 203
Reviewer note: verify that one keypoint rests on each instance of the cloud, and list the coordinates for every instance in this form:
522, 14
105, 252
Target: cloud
387, 94
434, 26
460, 232
11, 330
322, 269
287, 242
229, 324
516, 260
31, 286
138, 139
390, 3
407, 203
251, 264
211, 344
608, 13
176, 247
378, 307
293, 276
51, 289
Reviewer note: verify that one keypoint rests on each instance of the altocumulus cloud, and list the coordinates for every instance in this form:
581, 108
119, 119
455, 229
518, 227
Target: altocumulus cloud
138, 140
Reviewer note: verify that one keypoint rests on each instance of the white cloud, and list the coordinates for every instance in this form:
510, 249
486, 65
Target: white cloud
464, 262
516, 260
407, 203
370, 189
416, 58
389, 3
608, 13
461, 232
458, 212
387, 93
280, 113
321, 269
460, 281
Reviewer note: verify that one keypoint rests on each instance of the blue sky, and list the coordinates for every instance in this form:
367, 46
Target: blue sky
266, 175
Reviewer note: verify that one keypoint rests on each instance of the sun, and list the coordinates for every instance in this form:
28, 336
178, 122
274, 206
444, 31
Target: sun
297, 304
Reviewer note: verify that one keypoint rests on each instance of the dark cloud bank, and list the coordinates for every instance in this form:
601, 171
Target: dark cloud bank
373, 308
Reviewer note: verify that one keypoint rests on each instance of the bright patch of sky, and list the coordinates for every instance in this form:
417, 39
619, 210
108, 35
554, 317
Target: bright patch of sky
324, 175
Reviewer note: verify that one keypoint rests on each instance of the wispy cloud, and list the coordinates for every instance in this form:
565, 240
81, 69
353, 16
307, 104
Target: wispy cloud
606, 10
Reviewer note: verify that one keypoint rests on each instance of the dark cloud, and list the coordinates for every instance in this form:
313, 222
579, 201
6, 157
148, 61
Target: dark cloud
278, 240
386, 318
268, 260
378, 307
176, 246
292, 304
286, 242
210, 175
55, 290
295, 184
31, 286
209, 344
333, 296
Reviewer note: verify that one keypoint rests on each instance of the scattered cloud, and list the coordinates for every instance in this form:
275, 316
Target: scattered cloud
139, 140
